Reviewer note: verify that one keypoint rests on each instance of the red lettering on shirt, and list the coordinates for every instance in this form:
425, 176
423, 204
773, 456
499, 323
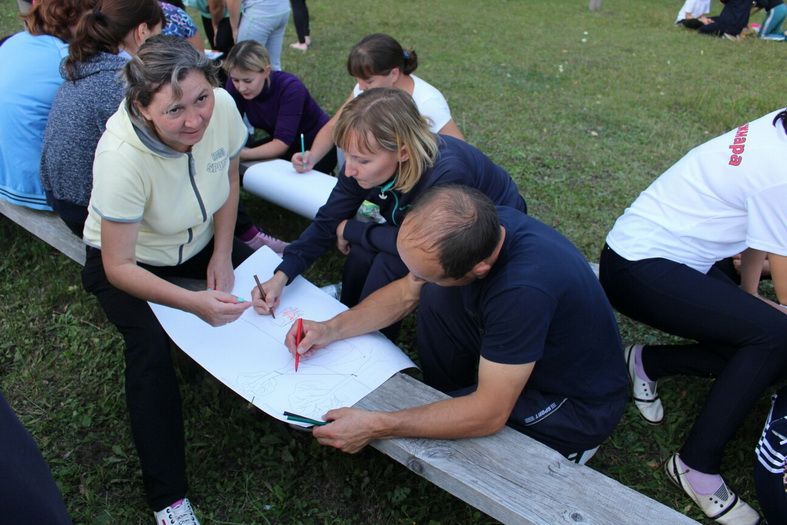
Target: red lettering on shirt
738, 145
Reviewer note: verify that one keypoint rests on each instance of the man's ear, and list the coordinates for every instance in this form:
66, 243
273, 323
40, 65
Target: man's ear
481, 269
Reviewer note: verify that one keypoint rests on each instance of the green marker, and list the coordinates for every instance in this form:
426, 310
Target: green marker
303, 419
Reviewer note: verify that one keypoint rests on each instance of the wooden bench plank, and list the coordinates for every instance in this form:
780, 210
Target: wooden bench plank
510, 476
48, 227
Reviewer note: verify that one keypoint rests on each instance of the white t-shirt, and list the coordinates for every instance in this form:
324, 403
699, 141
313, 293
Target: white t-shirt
429, 101
695, 7
722, 197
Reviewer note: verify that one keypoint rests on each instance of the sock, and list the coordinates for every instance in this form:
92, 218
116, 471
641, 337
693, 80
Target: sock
701, 482
249, 234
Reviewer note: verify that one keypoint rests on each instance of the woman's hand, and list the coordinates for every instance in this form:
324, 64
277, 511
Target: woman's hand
273, 288
217, 308
301, 162
342, 244
220, 274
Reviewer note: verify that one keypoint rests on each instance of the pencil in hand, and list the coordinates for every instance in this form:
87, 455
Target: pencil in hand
262, 293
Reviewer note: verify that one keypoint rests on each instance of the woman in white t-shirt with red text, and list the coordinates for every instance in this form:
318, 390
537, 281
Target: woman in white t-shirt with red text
378, 60
724, 197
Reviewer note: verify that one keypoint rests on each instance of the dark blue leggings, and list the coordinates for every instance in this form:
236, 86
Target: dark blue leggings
152, 393
366, 271
740, 340
28, 494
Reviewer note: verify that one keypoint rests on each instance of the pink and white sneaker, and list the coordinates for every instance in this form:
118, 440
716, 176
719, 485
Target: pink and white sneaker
263, 239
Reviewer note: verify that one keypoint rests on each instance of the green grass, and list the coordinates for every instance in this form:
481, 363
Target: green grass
584, 110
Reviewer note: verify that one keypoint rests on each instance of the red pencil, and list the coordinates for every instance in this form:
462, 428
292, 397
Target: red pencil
298, 337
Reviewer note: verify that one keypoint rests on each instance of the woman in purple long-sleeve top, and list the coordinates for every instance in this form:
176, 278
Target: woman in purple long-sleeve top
274, 101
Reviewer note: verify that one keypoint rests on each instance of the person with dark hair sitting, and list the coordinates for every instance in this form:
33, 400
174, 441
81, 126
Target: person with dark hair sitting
35, 53
378, 60
512, 323
106, 38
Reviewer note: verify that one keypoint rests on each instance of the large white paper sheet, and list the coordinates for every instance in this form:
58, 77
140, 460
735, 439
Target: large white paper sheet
278, 182
249, 355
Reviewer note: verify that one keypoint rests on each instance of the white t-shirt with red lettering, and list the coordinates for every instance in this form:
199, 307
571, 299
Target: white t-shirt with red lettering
722, 197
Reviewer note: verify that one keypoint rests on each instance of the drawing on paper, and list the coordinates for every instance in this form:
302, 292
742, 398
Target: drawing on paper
249, 355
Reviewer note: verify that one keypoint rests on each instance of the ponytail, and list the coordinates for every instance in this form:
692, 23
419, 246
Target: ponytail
410, 61
103, 29
378, 54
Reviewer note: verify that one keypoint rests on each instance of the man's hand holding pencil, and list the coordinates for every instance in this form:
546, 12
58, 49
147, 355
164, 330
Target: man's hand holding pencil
314, 336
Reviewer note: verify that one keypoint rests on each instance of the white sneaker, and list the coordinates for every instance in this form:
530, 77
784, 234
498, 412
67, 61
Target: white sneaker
724, 505
179, 513
644, 393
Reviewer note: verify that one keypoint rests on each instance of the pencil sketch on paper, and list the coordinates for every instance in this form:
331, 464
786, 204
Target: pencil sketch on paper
249, 355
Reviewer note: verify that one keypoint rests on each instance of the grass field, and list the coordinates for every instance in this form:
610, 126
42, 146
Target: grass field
584, 110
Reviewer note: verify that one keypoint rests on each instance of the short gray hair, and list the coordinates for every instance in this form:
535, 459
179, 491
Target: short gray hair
163, 60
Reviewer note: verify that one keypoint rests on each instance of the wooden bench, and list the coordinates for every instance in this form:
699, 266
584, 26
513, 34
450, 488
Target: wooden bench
509, 476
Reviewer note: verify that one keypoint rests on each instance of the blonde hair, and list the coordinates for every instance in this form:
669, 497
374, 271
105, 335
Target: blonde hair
388, 119
248, 55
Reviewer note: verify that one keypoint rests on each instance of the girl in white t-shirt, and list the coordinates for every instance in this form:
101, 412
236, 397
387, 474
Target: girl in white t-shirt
657, 267
378, 60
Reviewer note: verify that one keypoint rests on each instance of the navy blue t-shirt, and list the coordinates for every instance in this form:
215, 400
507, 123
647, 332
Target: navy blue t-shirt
457, 163
542, 303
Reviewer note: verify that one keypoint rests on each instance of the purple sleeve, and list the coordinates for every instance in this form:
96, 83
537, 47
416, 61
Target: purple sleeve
288, 120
